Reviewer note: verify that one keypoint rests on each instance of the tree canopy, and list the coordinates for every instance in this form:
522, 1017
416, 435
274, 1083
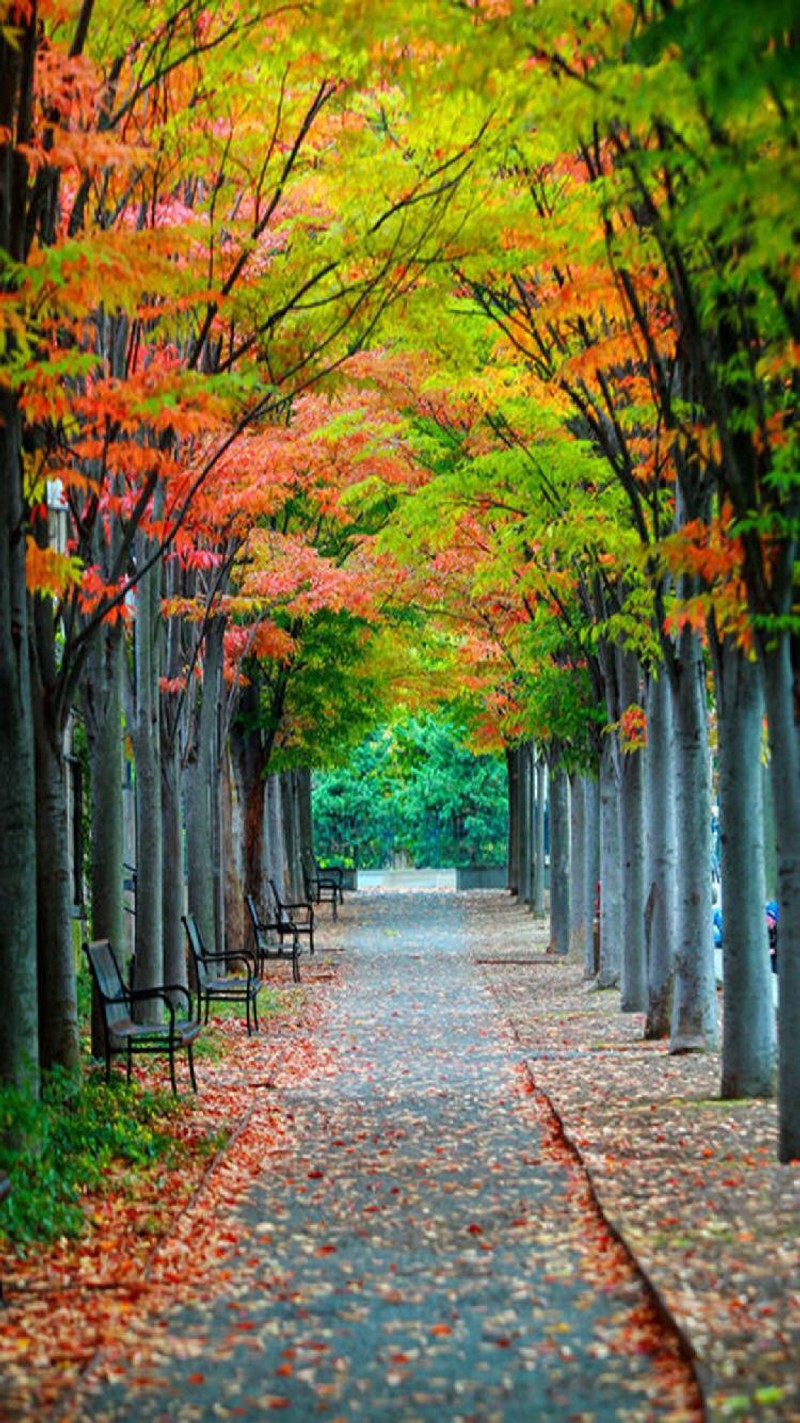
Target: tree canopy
355, 356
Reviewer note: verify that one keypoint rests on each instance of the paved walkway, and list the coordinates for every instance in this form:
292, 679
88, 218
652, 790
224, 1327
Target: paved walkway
415, 1250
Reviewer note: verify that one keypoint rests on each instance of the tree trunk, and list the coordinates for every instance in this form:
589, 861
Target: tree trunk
780, 682
660, 856
233, 858
146, 739
172, 887
577, 840
634, 967
527, 851
287, 830
512, 775
694, 1009
58, 1006
58, 1009
290, 814
252, 758
748, 1040
591, 870
305, 813
201, 792
102, 710
19, 1030
541, 782
610, 867
275, 854
559, 862
770, 856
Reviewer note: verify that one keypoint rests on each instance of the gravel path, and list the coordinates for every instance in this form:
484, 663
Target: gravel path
418, 1247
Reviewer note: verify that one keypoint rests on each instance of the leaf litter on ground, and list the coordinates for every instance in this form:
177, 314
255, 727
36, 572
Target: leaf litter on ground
690, 1182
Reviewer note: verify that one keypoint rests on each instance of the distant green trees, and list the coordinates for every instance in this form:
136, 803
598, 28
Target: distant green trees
413, 792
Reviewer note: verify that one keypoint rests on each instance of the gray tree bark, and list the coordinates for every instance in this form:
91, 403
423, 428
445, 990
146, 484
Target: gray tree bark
102, 711
780, 682
527, 845
770, 849
694, 1011
275, 855
591, 870
577, 840
144, 727
748, 1040
172, 717
560, 879
175, 969
19, 1026
541, 784
610, 867
201, 791
634, 968
512, 776
305, 813
58, 1002
232, 823
660, 856
290, 808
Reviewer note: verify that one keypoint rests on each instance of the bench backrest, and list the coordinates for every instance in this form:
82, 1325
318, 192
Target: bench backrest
196, 949
109, 982
258, 930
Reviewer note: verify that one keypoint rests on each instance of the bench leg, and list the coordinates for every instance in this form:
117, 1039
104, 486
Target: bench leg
190, 1056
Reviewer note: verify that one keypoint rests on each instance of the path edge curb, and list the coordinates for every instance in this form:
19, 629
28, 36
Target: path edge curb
687, 1349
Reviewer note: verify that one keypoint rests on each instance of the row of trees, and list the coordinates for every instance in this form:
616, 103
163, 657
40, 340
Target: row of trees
192, 241
458, 358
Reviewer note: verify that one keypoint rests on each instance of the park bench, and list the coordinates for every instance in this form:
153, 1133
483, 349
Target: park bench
299, 913
121, 1034
265, 946
212, 981
323, 883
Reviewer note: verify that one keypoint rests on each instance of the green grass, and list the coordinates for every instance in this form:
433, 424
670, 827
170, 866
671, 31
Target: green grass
58, 1147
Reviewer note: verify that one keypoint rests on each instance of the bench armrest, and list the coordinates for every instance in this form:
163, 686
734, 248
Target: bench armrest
242, 955
164, 991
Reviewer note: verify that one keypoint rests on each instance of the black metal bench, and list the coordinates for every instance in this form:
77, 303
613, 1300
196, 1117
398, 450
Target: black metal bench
211, 983
121, 1034
265, 947
323, 883
298, 913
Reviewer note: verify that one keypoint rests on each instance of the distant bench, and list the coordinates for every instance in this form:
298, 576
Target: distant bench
323, 883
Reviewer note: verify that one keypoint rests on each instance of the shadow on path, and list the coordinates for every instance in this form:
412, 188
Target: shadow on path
417, 1247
